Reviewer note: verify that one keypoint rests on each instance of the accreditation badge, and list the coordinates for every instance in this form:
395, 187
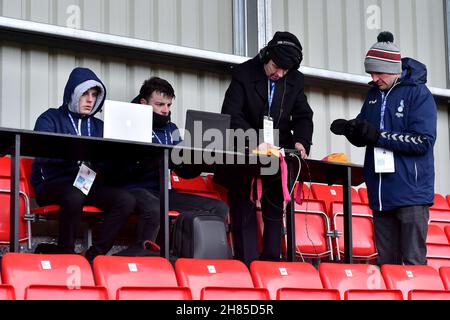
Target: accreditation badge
384, 161
85, 179
268, 130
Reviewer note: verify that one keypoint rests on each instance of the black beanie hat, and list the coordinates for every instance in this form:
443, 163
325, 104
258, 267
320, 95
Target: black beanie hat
285, 56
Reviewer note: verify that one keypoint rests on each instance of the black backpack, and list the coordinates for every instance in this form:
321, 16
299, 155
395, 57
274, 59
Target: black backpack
201, 235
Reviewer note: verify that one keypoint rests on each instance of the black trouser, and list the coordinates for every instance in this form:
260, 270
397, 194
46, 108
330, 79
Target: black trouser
117, 205
148, 208
244, 223
400, 235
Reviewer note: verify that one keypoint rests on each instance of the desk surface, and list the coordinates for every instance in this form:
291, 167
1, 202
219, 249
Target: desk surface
71, 147
330, 173
51, 145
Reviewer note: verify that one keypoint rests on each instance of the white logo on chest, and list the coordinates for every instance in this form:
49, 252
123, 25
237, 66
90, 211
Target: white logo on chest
400, 110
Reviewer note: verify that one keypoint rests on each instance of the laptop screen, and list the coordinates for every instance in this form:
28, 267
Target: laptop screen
206, 130
127, 121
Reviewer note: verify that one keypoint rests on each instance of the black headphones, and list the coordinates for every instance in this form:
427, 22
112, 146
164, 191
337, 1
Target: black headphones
264, 54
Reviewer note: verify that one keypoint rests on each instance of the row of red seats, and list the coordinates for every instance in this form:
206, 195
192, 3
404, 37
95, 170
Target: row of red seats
319, 219
61, 277
319, 226
334, 193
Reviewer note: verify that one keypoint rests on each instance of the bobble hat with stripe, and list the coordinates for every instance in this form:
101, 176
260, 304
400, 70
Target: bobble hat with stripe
384, 56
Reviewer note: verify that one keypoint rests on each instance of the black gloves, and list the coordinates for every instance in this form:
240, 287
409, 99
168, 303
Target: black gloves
360, 133
367, 131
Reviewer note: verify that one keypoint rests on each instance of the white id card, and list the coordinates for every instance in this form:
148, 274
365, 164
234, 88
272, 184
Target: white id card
384, 161
268, 130
85, 179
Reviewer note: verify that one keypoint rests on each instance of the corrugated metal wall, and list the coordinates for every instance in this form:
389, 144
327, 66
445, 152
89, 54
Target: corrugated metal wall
203, 24
335, 35
33, 79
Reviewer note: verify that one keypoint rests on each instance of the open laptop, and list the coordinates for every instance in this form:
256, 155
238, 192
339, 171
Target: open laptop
198, 125
127, 121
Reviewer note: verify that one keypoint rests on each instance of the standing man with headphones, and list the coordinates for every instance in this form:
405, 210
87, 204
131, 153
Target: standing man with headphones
266, 93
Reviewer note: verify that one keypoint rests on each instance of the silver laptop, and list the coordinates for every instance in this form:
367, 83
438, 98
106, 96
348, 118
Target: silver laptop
127, 121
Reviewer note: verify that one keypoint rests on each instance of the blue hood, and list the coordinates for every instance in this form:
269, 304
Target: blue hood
81, 80
414, 72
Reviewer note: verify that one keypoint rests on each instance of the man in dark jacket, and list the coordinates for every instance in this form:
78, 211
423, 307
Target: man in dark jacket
266, 93
65, 183
397, 123
142, 178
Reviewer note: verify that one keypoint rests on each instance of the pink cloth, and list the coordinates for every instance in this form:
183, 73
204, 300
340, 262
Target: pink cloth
284, 183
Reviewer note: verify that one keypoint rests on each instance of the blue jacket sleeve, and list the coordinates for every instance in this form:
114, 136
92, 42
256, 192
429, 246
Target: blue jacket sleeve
420, 134
45, 123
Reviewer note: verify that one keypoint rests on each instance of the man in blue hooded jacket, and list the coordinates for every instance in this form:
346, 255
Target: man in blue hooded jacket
397, 123
57, 181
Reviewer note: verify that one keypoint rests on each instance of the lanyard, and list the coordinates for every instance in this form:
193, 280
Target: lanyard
78, 132
271, 91
384, 103
167, 138
383, 109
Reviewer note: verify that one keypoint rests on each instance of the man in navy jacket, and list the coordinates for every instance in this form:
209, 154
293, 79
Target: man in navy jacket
53, 179
397, 123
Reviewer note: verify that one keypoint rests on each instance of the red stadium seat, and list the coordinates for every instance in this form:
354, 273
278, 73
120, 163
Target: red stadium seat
47, 292
440, 202
363, 195
428, 295
444, 272
438, 255
220, 293
197, 274
113, 273
154, 293
373, 295
345, 277
436, 235
7, 292
276, 275
22, 270
307, 294
440, 218
362, 231
448, 199
312, 228
197, 186
24, 203
447, 232
330, 194
407, 278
